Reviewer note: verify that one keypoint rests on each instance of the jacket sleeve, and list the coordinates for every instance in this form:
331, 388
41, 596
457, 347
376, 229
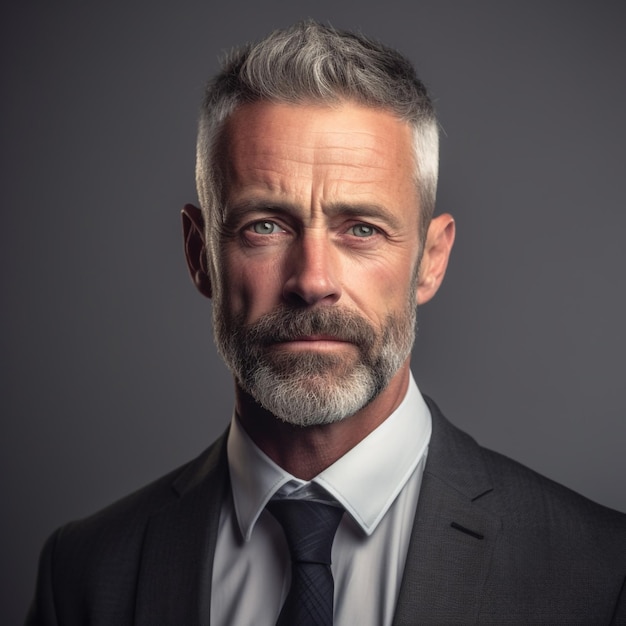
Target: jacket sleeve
619, 615
42, 610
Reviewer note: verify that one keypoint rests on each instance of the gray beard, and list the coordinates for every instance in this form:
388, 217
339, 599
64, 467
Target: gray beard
311, 388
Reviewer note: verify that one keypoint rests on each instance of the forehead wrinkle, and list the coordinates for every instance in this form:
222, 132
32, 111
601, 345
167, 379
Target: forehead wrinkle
326, 148
269, 174
369, 143
264, 158
341, 152
304, 163
368, 160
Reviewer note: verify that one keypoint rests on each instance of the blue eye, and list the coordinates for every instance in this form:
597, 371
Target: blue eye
265, 227
363, 230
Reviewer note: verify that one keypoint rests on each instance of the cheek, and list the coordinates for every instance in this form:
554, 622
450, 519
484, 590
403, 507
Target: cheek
381, 287
251, 288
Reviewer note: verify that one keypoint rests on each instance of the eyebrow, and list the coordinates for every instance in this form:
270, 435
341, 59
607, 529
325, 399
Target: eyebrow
250, 205
358, 210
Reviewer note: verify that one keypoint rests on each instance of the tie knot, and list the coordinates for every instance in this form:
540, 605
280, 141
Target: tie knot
309, 528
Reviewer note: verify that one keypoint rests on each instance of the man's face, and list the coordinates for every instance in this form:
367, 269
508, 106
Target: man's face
317, 261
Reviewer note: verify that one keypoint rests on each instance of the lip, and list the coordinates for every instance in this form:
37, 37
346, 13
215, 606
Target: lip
309, 342
320, 338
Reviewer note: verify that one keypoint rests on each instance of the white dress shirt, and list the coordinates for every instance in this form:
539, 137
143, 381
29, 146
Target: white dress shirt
377, 482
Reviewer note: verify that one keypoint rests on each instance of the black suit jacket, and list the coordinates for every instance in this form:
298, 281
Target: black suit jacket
492, 542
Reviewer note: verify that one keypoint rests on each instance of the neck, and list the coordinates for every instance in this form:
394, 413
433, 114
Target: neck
306, 451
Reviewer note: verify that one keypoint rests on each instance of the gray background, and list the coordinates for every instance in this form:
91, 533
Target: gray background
109, 376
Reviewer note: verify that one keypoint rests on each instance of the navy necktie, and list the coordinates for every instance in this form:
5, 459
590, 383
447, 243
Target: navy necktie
310, 529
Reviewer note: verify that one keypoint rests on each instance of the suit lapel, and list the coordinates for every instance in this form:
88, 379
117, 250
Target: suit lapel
450, 549
174, 581
453, 536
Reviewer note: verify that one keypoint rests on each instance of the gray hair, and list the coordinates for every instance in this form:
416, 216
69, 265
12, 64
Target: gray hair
306, 63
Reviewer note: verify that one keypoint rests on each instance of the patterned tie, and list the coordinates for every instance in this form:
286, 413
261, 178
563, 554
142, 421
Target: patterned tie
310, 529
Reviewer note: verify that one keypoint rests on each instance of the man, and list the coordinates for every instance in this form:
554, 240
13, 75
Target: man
316, 171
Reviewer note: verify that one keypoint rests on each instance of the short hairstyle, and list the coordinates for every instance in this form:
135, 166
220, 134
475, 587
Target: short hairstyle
313, 63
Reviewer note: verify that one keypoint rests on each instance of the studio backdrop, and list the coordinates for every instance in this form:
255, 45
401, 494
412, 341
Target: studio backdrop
109, 374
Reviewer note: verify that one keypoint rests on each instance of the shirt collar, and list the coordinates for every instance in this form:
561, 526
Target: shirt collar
365, 480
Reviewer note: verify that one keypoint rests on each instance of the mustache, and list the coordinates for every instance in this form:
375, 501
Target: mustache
286, 324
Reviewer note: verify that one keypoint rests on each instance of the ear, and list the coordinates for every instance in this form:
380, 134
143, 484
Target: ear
439, 241
195, 249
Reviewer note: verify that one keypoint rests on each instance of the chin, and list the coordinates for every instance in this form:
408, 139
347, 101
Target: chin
313, 398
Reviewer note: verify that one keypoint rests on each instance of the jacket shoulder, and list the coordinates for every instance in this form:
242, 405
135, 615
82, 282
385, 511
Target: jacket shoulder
512, 489
95, 561
554, 552
133, 510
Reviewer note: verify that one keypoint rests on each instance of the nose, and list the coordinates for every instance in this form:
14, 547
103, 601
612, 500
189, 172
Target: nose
313, 272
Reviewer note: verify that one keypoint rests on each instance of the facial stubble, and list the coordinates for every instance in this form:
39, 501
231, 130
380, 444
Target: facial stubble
310, 387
